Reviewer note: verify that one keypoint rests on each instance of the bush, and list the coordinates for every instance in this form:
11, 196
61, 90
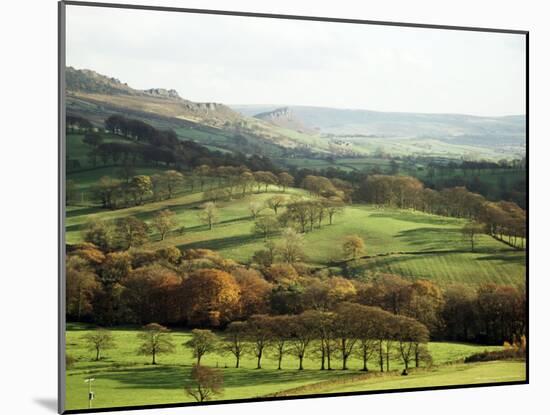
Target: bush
486, 356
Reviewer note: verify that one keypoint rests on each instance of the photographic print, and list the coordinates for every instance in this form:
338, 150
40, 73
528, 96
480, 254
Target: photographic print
262, 207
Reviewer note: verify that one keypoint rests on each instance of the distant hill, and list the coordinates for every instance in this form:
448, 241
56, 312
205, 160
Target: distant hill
97, 88
458, 128
295, 131
283, 117
95, 97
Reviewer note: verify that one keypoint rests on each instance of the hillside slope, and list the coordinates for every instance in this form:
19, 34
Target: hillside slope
96, 97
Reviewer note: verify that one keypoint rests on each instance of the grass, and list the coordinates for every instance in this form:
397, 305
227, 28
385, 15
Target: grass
122, 378
415, 244
450, 268
449, 375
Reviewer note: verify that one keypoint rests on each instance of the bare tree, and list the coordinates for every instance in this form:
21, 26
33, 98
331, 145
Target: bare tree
209, 214
99, 340
234, 340
164, 222
201, 343
156, 339
206, 383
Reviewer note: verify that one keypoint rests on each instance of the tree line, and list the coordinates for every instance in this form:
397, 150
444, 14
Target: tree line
199, 288
335, 337
143, 143
502, 220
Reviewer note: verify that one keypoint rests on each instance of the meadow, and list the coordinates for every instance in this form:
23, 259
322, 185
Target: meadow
123, 378
408, 243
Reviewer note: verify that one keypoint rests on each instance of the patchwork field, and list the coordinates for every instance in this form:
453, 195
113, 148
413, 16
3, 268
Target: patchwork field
123, 378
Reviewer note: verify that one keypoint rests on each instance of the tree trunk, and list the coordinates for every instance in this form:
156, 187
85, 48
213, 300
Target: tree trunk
381, 357
301, 362
365, 358
238, 362
79, 304
154, 361
259, 365
97, 354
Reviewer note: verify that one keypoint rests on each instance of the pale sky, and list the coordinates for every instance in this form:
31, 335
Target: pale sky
243, 60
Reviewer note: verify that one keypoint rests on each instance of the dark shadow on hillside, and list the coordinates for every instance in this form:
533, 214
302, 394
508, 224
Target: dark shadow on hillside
222, 243
82, 211
432, 238
159, 377
177, 377
505, 258
407, 216
202, 228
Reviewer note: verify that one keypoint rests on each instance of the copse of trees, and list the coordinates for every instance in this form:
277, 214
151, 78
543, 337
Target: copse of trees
78, 123
503, 220
308, 214
198, 288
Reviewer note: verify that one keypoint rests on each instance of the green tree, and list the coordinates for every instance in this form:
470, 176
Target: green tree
275, 202
164, 221
131, 232
353, 245
172, 179
285, 180
471, 232
156, 339
235, 340
291, 247
201, 343
100, 233
98, 341
209, 214
266, 226
140, 186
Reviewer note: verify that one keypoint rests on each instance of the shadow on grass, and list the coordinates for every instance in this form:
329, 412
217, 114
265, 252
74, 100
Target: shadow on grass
510, 258
432, 238
83, 211
177, 377
222, 243
415, 217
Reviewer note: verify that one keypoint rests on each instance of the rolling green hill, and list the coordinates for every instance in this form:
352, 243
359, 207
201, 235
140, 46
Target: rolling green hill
408, 243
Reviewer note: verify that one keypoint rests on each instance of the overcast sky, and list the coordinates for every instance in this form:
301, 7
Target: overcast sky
237, 60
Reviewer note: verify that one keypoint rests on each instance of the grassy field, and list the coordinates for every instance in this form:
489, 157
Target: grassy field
123, 378
416, 244
447, 375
